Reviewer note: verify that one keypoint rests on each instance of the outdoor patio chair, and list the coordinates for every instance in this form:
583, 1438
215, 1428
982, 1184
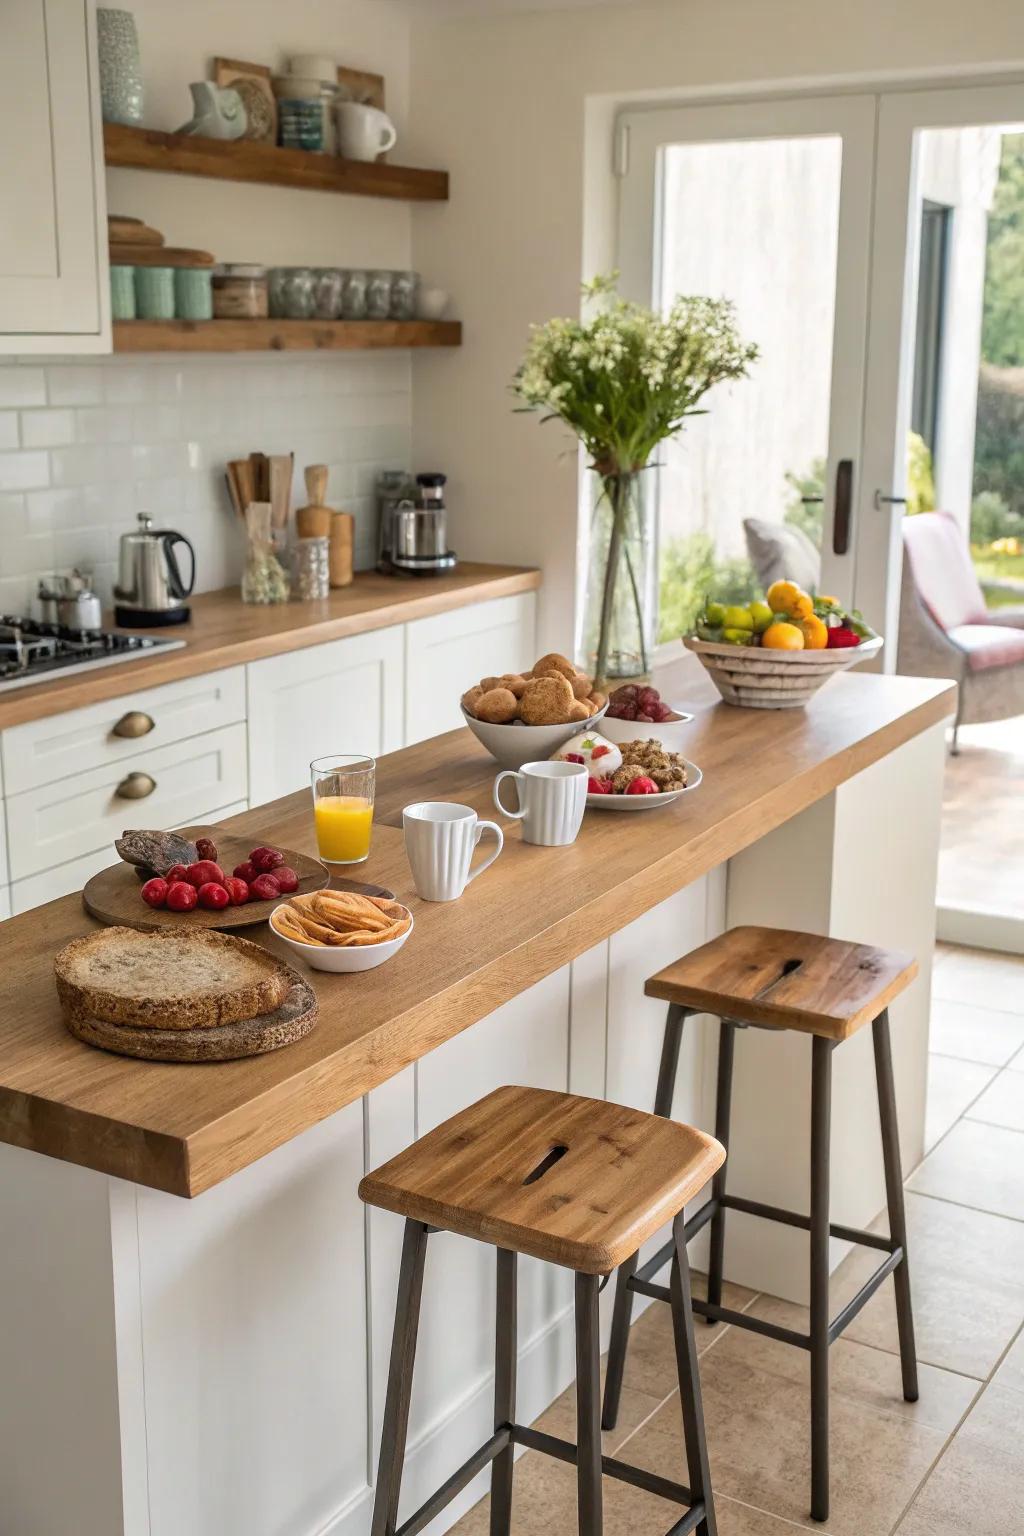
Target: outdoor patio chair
946, 630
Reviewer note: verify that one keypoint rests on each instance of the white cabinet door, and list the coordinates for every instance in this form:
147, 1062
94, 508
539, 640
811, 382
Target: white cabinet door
345, 696
53, 271
448, 653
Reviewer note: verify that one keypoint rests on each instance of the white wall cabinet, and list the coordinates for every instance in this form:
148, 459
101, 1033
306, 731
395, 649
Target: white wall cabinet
53, 263
448, 653
345, 696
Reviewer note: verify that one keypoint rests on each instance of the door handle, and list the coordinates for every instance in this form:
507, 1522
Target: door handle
843, 513
888, 501
135, 786
134, 724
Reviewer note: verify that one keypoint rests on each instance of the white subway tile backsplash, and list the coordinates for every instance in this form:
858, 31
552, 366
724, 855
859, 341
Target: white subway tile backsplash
96, 443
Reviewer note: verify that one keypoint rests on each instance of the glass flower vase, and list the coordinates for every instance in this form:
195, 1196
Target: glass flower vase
620, 623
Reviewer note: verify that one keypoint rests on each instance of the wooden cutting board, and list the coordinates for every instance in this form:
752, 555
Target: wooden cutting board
114, 896
223, 1042
158, 256
124, 231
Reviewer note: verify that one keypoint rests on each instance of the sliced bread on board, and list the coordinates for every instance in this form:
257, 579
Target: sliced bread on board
197, 978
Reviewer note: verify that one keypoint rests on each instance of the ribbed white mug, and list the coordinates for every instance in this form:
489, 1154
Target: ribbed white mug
552, 799
440, 839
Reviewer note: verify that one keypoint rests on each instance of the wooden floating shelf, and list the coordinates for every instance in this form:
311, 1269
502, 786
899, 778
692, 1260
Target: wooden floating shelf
146, 149
282, 335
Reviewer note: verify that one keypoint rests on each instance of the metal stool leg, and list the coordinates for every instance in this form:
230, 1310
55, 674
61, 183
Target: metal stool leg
723, 1110
821, 1115
504, 1392
698, 1471
588, 1406
894, 1200
623, 1314
396, 1407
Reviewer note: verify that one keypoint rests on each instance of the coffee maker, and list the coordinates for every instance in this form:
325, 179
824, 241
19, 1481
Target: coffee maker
412, 524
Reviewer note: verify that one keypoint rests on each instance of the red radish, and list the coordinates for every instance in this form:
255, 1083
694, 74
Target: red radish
154, 892
213, 895
181, 897
263, 860
237, 889
246, 872
264, 888
286, 878
642, 785
206, 849
176, 872
203, 872
598, 786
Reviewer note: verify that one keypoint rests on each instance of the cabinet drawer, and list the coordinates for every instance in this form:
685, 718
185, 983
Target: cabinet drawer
59, 822
43, 751
66, 878
448, 653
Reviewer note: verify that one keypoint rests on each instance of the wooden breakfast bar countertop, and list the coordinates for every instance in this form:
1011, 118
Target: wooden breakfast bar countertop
184, 1129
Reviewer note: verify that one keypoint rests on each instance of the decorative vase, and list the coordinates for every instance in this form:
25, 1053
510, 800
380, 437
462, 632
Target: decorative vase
120, 66
621, 611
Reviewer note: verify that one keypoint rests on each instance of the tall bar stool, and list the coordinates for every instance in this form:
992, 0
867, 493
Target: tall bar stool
770, 979
577, 1182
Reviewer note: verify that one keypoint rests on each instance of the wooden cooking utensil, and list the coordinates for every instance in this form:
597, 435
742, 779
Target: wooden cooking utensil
244, 480
280, 489
158, 256
125, 231
314, 521
342, 537
316, 484
261, 475
236, 500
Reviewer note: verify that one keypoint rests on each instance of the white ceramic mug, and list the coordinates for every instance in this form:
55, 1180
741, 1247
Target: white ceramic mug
552, 799
363, 132
440, 838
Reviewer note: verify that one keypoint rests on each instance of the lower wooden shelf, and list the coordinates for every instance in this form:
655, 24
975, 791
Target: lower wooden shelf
282, 335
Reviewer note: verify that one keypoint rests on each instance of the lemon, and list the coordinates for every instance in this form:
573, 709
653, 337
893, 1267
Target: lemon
738, 618
714, 615
762, 616
736, 636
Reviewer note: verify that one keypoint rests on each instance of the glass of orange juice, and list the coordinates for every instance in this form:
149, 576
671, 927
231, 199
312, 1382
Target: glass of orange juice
343, 806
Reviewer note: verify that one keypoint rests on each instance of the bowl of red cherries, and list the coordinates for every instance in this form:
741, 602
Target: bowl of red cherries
244, 893
636, 712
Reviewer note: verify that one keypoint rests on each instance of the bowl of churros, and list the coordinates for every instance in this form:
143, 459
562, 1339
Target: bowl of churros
342, 930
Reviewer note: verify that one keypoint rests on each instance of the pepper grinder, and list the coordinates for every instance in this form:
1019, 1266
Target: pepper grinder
320, 521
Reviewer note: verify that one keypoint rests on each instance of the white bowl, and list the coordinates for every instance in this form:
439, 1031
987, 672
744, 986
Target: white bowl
431, 303
513, 745
671, 733
344, 957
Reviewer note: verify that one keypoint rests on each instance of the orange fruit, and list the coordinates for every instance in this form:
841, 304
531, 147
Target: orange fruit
814, 631
786, 597
783, 637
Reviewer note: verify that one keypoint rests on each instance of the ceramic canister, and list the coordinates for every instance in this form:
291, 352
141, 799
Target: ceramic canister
193, 293
154, 293
122, 293
120, 67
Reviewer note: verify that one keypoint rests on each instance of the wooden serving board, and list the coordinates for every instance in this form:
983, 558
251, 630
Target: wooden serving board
158, 256
122, 230
221, 1042
114, 895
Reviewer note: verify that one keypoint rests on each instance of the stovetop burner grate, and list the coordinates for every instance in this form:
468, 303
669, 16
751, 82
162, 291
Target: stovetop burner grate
32, 651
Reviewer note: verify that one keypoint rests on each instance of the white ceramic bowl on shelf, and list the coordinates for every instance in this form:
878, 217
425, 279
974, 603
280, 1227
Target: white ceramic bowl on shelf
513, 745
344, 957
672, 734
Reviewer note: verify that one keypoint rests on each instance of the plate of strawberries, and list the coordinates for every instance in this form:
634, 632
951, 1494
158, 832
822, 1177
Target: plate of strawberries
198, 877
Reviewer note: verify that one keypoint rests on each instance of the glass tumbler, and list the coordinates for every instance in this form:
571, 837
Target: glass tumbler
343, 789
378, 296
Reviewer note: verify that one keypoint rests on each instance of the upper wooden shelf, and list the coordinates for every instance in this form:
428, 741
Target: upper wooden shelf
282, 335
146, 149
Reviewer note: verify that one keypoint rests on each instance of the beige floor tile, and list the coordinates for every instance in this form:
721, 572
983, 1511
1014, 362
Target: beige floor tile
758, 1423
967, 1277
982, 977
544, 1504
953, 1085
974, 1033
1002, 1103
977, 1165
735, 1519
1011, 1372
977, 1489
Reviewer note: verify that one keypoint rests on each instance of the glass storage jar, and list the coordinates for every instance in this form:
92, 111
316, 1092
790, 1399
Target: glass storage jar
263, 580
312, 569
403, 295
240, 292
327, 286
378, 296
353, 294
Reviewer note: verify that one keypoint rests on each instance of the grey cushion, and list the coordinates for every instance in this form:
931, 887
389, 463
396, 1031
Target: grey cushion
779, 552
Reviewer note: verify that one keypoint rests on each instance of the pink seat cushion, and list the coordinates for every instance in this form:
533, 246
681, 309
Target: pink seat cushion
940, 564
989, 645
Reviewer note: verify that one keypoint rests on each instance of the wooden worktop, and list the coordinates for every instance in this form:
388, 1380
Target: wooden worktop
185, 1128
224, 631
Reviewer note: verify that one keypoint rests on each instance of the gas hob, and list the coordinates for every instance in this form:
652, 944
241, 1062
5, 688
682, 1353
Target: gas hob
32, 652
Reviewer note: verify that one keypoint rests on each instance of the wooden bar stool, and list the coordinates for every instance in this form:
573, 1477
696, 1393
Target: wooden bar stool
770, 979
577, 1182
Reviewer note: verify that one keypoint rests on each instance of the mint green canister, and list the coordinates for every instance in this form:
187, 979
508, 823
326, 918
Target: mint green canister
193, 293
122, 293
154, 293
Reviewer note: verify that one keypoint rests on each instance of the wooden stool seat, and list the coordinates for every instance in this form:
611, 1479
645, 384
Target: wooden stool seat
574, 1181
782, 980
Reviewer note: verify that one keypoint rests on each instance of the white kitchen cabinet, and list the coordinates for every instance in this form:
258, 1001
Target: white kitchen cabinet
53, 263
448, 653
345, 696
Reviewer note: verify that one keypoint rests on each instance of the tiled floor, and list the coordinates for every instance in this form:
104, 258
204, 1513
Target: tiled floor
953, 1461
982, 850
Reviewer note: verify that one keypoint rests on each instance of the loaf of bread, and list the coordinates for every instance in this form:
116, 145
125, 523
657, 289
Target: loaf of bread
168, 980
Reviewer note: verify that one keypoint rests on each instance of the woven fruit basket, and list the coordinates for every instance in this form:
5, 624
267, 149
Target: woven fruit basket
763, 679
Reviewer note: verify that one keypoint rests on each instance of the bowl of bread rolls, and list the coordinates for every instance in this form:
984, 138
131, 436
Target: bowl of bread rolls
522, 717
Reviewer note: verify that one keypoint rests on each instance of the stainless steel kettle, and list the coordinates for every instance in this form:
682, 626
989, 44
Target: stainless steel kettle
150, 589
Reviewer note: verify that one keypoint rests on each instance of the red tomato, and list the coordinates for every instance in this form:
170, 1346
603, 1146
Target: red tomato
181, 897
642, 785
203, 872
176, 872
213, 895
154, 892
237, 889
